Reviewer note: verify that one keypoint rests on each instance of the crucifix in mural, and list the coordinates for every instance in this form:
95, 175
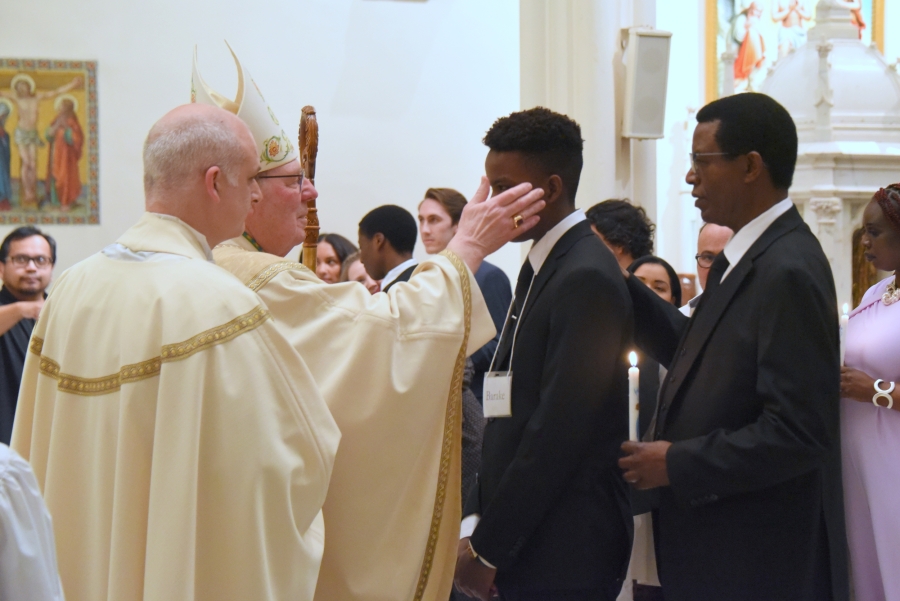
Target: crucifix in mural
745, 38
48, 142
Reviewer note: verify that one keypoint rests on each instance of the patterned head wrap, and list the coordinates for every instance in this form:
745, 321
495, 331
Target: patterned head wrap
889, 200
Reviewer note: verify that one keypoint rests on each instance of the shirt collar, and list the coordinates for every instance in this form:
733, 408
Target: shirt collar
741, 242
394, 273
541, 249
200, 237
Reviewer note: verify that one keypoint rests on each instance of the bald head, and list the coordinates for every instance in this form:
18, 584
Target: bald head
200, 165
711, 241
188, 140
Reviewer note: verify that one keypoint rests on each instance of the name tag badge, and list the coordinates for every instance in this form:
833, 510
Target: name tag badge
498, 394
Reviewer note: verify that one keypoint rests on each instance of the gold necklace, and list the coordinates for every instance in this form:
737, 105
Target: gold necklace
892, 294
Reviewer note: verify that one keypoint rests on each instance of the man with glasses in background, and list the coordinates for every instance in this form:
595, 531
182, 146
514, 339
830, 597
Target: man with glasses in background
710, 242
27, 256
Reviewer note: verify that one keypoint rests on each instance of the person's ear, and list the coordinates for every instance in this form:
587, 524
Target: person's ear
754, 167
211, 182
378, 241
554, 189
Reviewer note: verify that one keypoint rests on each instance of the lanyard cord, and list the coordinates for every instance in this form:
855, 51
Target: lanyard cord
512, 352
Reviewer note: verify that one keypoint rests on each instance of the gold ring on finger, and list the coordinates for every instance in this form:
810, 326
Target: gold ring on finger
517, 221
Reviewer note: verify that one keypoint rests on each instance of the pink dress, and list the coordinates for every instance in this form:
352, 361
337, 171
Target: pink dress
870, 443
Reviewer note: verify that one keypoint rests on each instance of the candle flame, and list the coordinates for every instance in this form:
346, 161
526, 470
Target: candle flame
632, 356
846, 308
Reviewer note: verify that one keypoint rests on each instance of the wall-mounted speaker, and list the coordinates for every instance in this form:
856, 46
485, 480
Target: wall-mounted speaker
646, 78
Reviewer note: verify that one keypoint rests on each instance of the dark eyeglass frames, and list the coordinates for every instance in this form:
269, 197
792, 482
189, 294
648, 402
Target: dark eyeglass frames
297, 176
705, 260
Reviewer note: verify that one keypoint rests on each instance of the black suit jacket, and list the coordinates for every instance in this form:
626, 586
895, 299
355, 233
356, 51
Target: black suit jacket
554, 508
754, 510
403, 277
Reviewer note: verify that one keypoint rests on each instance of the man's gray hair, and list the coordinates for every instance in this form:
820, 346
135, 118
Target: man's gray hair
173, 154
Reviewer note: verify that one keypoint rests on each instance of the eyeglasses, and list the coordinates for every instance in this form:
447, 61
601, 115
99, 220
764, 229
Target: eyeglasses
23, 260
693, 157
705, 260
297, 176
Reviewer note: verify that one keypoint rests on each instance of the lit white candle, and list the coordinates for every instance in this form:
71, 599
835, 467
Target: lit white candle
845, 319
634, 375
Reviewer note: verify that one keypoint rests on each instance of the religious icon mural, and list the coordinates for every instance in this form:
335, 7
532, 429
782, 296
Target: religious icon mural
749, 36
48, 142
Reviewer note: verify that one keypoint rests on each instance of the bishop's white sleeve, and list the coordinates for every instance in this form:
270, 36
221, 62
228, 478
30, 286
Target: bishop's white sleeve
28, 569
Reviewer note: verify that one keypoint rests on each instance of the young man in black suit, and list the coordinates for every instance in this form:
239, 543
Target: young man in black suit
549, 517
387, 237
746, 451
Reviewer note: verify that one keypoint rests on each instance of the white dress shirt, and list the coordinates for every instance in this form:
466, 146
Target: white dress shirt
541, 249
394, 273
741, 242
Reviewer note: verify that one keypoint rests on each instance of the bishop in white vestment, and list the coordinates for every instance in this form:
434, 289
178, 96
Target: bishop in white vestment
390, 367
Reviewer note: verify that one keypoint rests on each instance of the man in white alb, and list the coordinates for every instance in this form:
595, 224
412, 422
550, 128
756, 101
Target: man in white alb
181, 444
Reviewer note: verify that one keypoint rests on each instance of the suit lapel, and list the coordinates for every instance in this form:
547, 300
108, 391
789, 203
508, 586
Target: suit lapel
707, 316
568, 240
564, 245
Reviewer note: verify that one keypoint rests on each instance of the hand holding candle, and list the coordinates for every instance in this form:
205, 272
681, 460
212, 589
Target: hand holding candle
845, 319
634, 375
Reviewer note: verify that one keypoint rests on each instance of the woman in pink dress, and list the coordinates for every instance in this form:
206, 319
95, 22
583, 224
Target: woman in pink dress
870, 412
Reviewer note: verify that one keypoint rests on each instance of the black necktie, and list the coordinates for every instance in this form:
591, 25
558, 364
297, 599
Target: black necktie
526, 274
718, 267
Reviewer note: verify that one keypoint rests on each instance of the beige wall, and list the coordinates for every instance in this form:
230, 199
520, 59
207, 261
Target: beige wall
404, 90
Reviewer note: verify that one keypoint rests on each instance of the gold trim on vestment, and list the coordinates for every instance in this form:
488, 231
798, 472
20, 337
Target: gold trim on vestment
262, 278
454, 404
151, 367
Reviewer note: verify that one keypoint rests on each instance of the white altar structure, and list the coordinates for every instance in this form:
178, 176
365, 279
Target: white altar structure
845, 100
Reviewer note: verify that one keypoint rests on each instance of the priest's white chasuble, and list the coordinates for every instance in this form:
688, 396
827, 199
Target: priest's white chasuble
182, 446
390, 368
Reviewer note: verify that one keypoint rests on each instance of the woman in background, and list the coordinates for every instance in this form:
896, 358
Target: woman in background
333, 250
354, 271
870, 412
659, 276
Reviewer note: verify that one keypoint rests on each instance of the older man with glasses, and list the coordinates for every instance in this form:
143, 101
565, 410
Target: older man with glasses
710, 242
27, 256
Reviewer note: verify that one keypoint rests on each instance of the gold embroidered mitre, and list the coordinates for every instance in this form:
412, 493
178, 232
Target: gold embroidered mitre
275, 148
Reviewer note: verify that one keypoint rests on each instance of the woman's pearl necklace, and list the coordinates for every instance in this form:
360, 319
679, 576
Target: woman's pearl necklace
892, 294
